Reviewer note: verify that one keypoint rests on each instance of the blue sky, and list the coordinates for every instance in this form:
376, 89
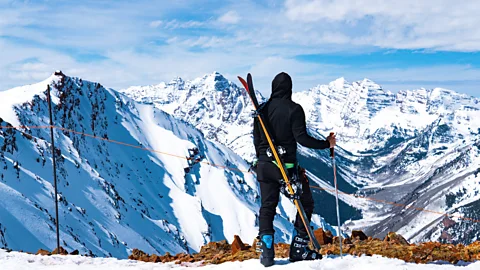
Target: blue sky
404, 45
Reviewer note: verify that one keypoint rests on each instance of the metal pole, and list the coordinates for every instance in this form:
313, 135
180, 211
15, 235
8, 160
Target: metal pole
54, 167
332, 155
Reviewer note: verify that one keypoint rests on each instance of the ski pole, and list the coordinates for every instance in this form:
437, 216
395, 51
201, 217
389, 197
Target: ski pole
332, 155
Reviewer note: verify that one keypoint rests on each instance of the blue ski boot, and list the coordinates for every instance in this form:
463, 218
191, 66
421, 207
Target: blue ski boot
299, 250
266, 247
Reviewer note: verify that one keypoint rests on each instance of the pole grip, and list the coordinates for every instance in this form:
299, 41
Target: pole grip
332, 150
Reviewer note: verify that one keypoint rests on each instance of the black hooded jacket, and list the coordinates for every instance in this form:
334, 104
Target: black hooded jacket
286, 120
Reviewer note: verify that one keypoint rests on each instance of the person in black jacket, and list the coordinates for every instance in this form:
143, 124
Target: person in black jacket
286, 120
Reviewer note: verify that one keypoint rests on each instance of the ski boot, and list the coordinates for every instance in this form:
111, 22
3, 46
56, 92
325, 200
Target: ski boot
266, 247
299, 250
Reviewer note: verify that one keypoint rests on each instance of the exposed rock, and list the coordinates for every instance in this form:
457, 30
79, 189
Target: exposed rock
75, 252
282, 250
62, 251
335, 240
43, 252
136, 253
238, 245
59, 73
216, 247
447, 222
393, 246
348, 247
322, 237
347, 241
359, 235
154, 258
394, 238
446, 236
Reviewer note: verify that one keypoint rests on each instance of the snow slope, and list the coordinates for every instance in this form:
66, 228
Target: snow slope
115, 196
21, 261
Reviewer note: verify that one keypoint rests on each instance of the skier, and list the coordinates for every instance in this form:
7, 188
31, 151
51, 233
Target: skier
288, 127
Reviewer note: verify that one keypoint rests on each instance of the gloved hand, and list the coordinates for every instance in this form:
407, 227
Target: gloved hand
332, 140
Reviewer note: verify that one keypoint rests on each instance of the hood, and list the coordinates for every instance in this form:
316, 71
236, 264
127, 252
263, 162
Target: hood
282, 86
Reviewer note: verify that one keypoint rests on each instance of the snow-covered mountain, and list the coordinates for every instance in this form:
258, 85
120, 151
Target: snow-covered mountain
213, 104
414, 148
365, 116
121, 177
418, 149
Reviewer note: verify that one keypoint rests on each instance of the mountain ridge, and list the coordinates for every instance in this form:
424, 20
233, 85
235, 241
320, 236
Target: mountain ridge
112, 198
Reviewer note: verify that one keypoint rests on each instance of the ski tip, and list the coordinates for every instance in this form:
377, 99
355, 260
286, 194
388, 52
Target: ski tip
250, 82
244, 83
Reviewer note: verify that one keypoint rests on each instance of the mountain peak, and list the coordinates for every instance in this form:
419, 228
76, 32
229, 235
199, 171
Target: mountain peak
18, 95
215, 76
370, 85
58, 73
339, 83
442, 92
176, 80
367, 80
215, 80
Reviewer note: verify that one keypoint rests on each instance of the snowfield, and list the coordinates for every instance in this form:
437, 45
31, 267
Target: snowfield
20, 261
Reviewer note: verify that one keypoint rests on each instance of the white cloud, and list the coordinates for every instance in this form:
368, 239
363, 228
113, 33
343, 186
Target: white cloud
124, 68
265, 42
275, 64
230, 17
81, 28
202, 42
345, 10
156, 23
304, 75
406, 24
437, 73
174, 24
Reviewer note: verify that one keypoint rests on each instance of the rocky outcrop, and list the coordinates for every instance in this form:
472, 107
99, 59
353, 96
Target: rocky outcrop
238, 245
62, 251
393, 246
323, 237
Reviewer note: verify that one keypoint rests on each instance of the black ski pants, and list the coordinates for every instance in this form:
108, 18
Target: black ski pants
268, 175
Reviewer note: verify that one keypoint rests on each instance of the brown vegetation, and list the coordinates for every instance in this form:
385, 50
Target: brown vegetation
393, 246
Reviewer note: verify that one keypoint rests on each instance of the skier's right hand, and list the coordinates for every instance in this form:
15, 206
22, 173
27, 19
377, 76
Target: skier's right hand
332, 140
